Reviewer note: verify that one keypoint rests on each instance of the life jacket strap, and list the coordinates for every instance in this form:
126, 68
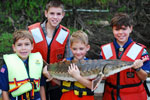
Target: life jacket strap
123, 86
81, 90
16, 83
32, 91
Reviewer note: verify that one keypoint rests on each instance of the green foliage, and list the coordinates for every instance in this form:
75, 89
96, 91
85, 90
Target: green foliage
74, 2
96, 22
122, 9
72, 30
105, 3
5, 43
18, 14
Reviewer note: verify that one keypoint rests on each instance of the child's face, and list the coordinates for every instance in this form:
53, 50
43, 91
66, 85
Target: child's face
79, 50
54, 16
23, 48
122, 34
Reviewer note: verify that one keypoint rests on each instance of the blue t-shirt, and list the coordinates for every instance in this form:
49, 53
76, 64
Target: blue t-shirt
146, 65
4, 83
71, 58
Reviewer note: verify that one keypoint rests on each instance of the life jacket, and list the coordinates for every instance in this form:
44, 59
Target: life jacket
20, 81
125, 84
54, 52
78, 88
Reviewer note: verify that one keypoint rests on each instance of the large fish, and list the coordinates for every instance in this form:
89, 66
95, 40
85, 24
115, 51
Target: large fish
89, 69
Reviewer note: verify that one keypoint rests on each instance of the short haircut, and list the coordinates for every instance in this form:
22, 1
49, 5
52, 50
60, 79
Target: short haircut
22, 34
55, 3
121, 19
79, 36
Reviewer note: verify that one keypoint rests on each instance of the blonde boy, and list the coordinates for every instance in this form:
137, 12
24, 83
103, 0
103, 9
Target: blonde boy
81, 89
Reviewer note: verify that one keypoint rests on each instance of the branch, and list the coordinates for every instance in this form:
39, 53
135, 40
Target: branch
83, 26
12, 21
141, 37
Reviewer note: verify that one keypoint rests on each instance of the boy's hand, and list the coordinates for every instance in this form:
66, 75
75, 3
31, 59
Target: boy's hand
46, 74
74, 71
138, 63
64, 60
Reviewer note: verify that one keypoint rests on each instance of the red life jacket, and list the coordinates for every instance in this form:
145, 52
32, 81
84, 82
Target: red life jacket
125, 84
55, 52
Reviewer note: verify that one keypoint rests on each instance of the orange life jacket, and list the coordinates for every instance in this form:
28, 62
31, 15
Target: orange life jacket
125, 84
54, 52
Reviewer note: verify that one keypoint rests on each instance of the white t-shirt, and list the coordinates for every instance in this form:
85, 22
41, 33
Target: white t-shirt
48, 40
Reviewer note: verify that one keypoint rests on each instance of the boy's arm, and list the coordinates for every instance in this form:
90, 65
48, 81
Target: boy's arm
87, 83
46, 74
4, 82
42, 93
49, 77
137, 65
56, 81
142, 74
74, 72
5, 95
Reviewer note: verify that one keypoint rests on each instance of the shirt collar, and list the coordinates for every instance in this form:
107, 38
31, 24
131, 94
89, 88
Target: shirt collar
43, 25
71, 58
117, 46
25, 61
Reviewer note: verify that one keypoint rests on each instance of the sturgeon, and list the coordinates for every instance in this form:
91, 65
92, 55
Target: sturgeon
89, 69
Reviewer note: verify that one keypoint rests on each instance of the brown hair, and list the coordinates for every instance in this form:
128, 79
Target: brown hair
121, 19
79, 36
54, 3
22, 34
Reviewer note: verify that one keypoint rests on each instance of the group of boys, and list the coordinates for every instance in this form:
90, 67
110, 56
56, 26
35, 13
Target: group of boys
22, 77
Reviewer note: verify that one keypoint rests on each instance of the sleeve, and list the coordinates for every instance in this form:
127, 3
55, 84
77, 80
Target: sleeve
68, 52
146, 66
4, 78
43, 81
101, 57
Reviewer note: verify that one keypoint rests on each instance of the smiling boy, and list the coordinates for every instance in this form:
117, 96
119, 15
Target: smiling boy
81, 89
128, 84
21, 76
51, 39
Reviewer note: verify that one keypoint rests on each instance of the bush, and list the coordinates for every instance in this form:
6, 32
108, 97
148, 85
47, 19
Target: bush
6, 43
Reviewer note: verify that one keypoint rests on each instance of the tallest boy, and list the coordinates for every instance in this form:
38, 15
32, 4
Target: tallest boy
52, 40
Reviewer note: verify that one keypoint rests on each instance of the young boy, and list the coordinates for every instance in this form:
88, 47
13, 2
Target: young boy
21, 76
81, 89
127, 84
52, 40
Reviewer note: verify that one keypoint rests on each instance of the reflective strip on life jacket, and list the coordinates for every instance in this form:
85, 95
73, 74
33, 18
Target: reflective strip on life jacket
58, 44
108, 51
17, 86
133, 52
40, 43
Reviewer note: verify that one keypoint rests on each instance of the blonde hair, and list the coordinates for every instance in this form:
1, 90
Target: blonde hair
79, 36
22, 34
